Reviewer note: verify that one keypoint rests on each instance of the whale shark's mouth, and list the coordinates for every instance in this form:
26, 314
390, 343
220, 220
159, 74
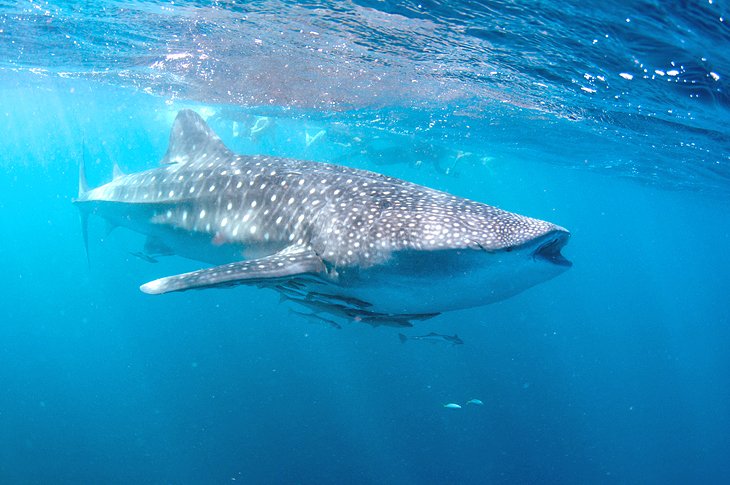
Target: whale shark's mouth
549, 249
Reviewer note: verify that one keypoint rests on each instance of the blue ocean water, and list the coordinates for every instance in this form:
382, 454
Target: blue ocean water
609, 119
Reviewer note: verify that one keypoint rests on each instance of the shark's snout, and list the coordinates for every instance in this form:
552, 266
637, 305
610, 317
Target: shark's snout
550, 245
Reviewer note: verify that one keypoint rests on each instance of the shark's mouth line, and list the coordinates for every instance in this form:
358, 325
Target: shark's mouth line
550, 250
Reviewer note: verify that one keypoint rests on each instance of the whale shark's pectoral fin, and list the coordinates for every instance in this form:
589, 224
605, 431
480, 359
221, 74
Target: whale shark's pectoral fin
292, 261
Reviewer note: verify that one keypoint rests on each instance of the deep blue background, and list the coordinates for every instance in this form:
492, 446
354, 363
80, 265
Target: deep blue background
615, 372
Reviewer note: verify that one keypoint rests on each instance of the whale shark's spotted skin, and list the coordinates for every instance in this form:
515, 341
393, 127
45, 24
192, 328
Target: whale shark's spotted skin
322, 234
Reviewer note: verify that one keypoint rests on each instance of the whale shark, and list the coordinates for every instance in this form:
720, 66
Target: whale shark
352, 244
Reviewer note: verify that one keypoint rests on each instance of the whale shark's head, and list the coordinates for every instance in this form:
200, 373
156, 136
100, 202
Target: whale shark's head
512, 269
462, 277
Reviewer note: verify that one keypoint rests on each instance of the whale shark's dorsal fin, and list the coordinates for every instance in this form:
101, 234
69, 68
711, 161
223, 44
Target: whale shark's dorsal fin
191, 139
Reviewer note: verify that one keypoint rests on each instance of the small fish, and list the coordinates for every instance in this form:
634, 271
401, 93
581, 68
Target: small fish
433, 337
314, 318
452, 405
144, 257
309, 139
478, 402
261, 124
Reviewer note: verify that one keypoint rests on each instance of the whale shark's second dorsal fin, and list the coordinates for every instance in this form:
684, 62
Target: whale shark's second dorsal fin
117, 172
191, 140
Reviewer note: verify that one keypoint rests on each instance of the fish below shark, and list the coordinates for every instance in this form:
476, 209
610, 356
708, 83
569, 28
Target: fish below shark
349, 243
433, 337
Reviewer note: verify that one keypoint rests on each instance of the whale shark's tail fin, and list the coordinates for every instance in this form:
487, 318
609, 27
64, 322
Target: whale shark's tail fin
85, 233
402, 338
83, 184
83, 188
